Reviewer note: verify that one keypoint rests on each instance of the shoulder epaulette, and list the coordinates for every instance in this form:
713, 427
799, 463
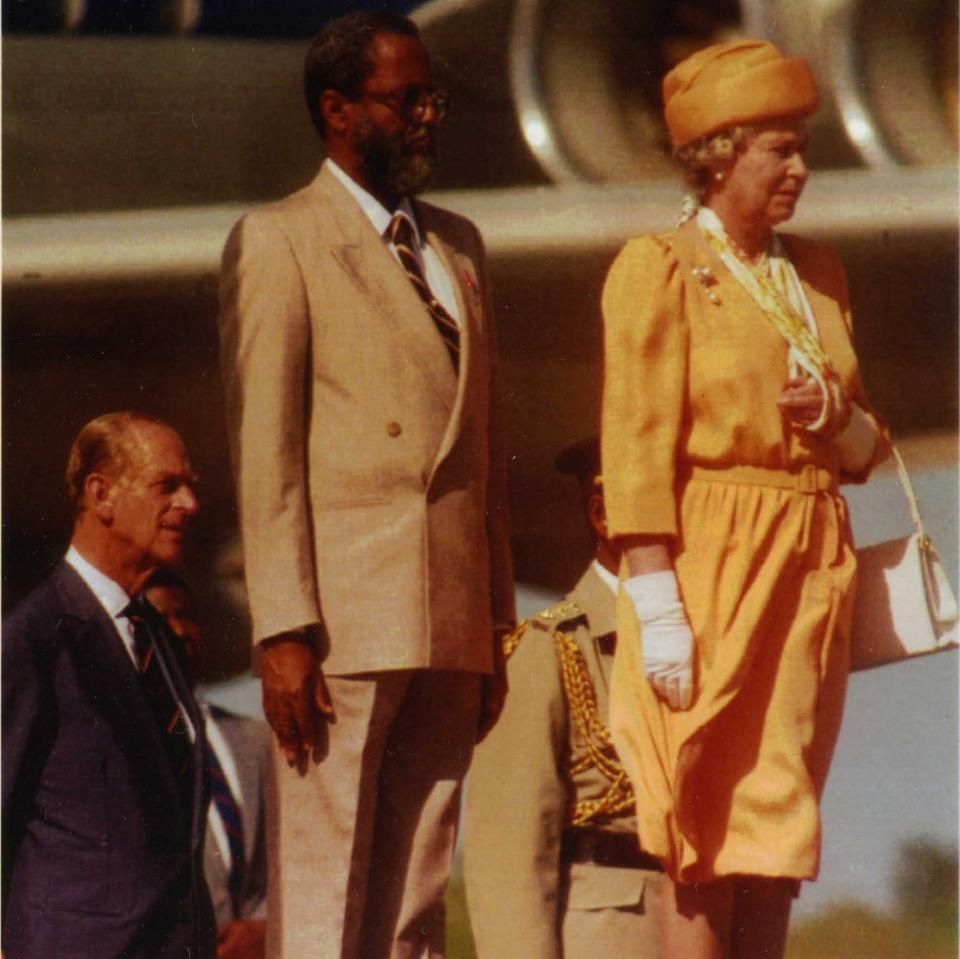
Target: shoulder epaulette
582, 702
561, 613
550, 619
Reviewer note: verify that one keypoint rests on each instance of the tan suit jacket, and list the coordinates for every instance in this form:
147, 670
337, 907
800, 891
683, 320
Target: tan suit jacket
370, 477
530, 778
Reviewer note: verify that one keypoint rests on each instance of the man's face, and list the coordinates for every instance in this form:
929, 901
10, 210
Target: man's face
395, 146
152, 500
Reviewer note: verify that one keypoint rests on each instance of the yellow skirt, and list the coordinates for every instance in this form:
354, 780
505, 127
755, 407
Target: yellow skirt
732, 786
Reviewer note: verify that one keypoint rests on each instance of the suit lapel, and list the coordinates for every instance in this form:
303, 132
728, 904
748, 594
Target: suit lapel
110, 667
185, 696
111, 675
369, 265
460, 270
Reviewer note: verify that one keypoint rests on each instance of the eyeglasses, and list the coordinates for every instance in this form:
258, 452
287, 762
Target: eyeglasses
412, 101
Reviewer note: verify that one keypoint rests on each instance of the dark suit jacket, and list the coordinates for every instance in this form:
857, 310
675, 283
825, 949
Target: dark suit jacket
249, 743
101, 857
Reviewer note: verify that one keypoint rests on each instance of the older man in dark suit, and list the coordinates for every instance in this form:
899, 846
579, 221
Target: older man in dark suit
104, 797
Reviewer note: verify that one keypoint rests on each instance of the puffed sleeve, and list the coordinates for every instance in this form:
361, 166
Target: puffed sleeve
644, 386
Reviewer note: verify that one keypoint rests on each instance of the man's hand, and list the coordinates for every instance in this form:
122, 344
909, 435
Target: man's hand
493, 689
242, 939
295, 696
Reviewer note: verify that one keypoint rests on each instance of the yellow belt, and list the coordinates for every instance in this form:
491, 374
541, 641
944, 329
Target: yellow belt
808, 479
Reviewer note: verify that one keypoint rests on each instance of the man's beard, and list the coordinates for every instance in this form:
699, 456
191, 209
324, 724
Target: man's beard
388, 165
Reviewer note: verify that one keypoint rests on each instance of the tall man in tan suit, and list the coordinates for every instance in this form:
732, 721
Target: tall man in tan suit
358, 357
552, 865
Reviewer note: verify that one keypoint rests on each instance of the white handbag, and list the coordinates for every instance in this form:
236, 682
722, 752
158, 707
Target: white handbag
904, 605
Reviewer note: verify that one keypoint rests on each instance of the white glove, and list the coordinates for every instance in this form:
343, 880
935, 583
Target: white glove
667, 637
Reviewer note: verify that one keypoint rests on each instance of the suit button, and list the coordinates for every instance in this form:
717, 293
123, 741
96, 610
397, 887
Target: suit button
394, 428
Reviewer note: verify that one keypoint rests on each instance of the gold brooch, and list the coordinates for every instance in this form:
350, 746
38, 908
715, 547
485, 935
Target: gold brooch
707, 280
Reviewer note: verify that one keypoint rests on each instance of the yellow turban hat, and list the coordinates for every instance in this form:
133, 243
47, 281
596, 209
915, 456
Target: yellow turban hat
727, 84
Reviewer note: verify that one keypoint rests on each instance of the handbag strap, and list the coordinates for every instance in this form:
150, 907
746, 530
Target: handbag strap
908, 490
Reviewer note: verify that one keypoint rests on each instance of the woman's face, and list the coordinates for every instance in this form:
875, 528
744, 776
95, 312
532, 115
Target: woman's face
767, 175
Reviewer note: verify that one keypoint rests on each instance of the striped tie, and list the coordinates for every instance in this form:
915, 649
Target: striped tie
401, 236
147, 634
232, 818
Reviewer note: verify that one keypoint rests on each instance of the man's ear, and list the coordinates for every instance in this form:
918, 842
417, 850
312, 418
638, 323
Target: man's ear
98, 492
597, 514
335, 108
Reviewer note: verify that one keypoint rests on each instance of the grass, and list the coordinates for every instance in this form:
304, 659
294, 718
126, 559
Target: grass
851, 930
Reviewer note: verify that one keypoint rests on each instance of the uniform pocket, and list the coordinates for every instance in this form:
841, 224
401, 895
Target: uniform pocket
604, 887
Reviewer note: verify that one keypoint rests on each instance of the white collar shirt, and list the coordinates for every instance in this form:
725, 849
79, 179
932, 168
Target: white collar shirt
439, 281
612, 582
110, 595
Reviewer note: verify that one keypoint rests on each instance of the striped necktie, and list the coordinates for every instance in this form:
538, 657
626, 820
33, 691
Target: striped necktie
147, 636
232, 819
401, 236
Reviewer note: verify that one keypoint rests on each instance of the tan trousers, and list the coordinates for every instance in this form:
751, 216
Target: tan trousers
361, 845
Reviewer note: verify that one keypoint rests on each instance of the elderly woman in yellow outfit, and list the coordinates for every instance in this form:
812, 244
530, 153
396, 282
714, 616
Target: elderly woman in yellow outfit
732, 409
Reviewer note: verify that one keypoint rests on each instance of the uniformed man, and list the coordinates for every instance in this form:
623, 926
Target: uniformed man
552, 865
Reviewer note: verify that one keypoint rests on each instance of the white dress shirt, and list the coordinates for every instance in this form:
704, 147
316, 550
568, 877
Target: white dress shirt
436, 276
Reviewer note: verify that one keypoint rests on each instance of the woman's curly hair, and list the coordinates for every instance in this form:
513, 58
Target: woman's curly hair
700, 158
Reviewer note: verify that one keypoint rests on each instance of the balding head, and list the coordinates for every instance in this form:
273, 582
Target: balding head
104, 445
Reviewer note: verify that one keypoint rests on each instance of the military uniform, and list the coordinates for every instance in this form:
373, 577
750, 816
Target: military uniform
552, 865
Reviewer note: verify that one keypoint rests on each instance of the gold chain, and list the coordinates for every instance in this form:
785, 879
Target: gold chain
600, 754
582, 703
512, 640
